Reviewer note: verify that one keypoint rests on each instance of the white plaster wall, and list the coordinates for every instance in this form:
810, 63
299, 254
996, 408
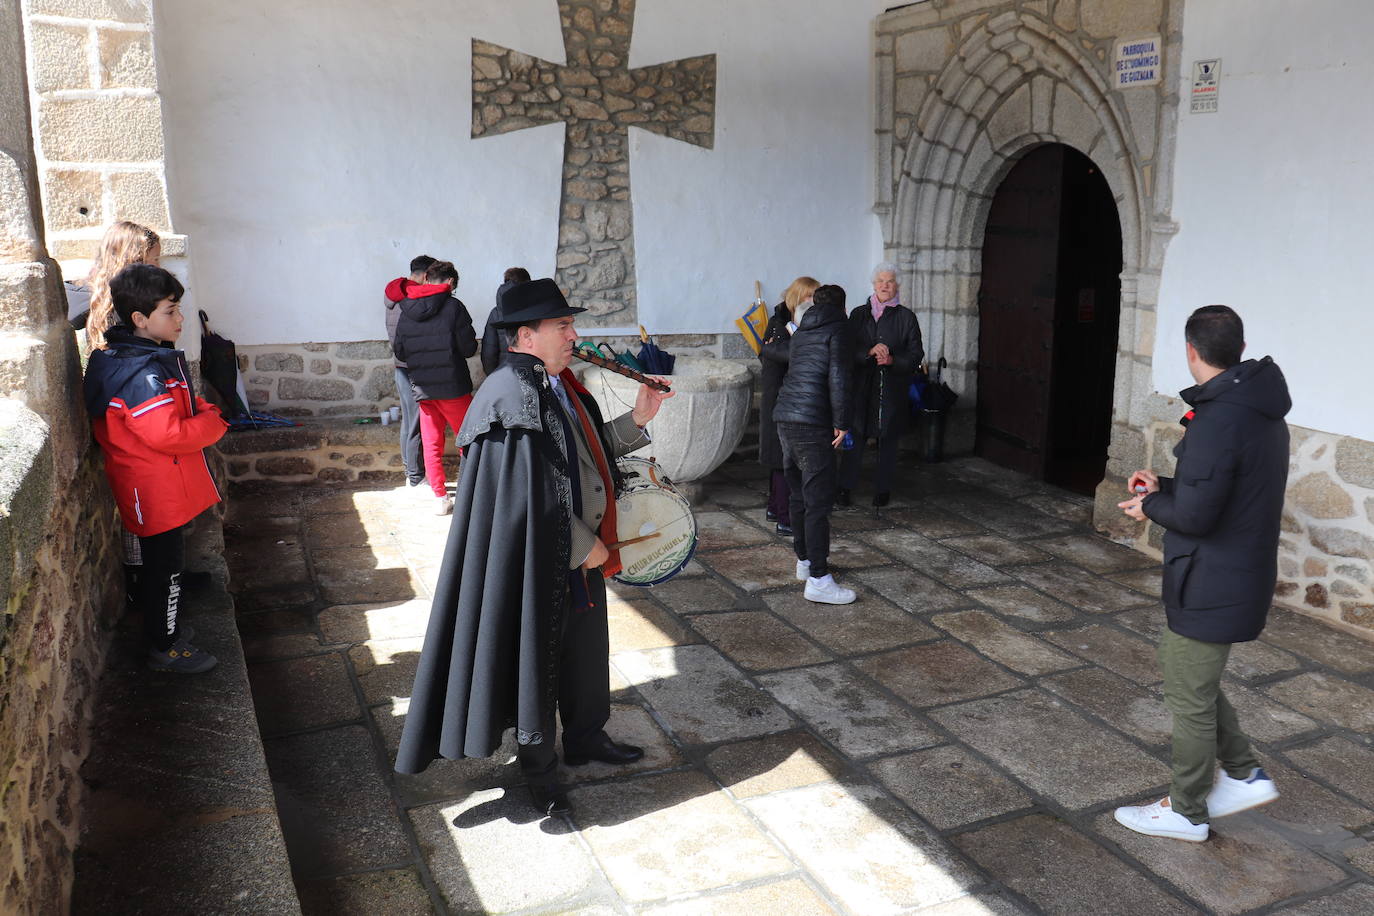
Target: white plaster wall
315, 147
1273, 195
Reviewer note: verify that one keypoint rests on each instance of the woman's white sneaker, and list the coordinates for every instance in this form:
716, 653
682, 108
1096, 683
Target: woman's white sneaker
826, 590
1161, 820
1229, 796
803, 570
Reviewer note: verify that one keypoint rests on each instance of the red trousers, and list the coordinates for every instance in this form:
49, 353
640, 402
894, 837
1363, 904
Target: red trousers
435, 415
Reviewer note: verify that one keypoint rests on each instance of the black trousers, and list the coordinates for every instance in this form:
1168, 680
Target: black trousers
584, 687
808, 462
779, 497
411, 455
887, 463
157, 586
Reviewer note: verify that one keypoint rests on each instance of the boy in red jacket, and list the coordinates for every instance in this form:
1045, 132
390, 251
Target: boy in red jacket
152, 429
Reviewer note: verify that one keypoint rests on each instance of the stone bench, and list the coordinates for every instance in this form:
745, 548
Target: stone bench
327, 450
179, 814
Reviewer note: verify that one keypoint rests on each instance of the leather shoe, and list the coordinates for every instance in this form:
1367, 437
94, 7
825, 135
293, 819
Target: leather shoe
843, 498
604, 750
881, 499
784, 529
770, 515
551, 799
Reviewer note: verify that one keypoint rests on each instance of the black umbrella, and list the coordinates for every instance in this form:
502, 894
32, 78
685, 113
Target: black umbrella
219, 364
654, 360
938, 394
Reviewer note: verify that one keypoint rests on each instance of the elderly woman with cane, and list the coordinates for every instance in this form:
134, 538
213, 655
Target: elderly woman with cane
887, 350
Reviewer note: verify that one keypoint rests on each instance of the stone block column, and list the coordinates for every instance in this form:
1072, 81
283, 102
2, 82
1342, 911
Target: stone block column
98, 118
59, 573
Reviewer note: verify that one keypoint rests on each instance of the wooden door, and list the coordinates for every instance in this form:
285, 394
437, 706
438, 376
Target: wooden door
1085, 332
1016, 305
1049, 307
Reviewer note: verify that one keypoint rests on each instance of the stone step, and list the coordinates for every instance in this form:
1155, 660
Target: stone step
179, 815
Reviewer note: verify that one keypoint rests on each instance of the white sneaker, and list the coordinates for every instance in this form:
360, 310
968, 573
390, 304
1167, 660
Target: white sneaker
443, 505
826, 590
1161, 820
1229, 796
803, 570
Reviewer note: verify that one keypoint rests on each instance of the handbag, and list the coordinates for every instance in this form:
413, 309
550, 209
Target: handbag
916, 391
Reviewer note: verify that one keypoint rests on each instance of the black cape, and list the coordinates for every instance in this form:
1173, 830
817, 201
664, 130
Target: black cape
490, 656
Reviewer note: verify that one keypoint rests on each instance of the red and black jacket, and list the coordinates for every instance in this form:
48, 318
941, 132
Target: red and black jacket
434, 338
152, 429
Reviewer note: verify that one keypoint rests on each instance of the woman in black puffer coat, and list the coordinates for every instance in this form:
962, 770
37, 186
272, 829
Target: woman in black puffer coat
777, 344
812, 413
887, 350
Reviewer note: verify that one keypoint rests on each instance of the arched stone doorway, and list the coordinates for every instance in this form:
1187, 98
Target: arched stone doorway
965, 91
1048, 315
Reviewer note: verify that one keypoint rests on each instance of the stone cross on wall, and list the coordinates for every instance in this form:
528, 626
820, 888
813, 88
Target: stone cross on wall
598, 97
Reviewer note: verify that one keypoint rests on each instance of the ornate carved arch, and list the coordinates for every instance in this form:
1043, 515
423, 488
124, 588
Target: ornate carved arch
1012, 83
973, 125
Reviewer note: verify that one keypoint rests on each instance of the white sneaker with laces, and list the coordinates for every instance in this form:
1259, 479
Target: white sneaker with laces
1160, 819
803, 570
826, 590
443, 505
1229, 796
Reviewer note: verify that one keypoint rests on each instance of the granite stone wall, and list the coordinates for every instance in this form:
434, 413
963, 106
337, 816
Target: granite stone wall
320, 450
61, 604
1326, 551
320, 379
59, 570
357, 379
98, 121
1326, 556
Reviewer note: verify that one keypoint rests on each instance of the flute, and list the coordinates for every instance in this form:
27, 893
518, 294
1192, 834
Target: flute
619, 369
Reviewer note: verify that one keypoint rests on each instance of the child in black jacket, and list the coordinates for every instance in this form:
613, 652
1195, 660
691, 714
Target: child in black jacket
434, 338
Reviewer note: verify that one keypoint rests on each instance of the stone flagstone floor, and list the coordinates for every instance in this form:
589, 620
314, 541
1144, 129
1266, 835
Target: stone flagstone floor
953, 743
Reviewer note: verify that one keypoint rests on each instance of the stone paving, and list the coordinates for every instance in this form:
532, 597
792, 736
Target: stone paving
953, 743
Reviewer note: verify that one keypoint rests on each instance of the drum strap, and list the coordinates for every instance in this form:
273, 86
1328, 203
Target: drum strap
609, 532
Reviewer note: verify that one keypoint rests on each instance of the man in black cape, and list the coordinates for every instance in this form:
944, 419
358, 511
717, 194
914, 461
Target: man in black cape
518, 626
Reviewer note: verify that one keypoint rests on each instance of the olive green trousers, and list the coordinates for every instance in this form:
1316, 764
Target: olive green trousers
1206, 729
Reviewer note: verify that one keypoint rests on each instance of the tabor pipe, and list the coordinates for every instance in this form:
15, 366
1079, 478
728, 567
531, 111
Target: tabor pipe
620, 369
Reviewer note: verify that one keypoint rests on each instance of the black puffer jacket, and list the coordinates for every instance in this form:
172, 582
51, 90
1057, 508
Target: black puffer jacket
777, 345
495, 341
1221, 509
434, 338
816, 390
880, 392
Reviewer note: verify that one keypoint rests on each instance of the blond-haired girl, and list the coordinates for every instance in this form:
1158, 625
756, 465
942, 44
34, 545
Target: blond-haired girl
124, 243
777, 339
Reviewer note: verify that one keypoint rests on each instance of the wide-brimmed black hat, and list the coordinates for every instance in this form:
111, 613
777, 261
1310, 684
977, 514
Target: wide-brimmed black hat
532, 301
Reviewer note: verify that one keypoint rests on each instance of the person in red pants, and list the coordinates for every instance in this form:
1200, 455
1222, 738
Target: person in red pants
434, 338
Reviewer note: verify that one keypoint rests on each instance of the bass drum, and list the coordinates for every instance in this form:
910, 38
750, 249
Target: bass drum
650, 503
